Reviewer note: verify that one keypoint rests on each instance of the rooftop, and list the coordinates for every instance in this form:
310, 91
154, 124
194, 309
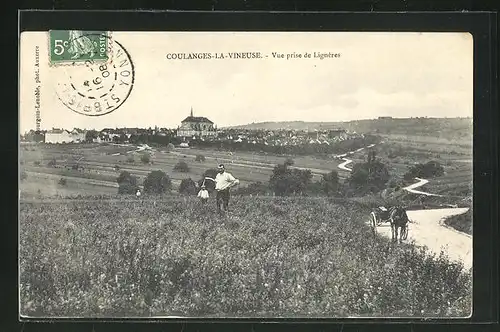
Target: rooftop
57, 131
196, 119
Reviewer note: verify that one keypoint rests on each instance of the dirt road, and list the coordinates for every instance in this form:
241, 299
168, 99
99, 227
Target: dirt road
428, 230
420, 183
346, 162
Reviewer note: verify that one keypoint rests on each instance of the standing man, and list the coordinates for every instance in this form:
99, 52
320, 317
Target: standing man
223, 182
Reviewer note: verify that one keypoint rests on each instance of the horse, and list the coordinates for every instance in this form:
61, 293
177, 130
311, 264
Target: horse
399, 223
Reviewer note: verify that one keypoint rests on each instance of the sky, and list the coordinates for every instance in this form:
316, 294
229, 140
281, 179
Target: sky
377, 74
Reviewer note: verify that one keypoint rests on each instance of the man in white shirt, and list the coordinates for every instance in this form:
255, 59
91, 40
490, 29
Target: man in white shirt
223, 182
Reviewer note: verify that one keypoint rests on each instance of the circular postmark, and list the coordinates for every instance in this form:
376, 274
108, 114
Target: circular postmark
96, 88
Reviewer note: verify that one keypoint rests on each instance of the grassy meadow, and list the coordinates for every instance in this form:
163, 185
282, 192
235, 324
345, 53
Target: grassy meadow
278, 257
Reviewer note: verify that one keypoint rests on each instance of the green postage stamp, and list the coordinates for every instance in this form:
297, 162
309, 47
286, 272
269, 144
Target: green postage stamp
74, 46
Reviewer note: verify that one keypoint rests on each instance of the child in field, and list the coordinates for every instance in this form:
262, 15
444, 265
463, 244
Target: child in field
203, 194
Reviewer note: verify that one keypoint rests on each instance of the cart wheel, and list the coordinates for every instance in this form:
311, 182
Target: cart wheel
374, 223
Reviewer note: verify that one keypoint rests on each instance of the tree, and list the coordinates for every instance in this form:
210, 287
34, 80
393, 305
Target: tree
187, 187
279, 180
37, 136
145, 158
52, 163
330, 183
62, 181
285, 181
200, 158
23, 175
123, 138
369, 177
90, 135
130, 159
157, 182
181, 166
127, 184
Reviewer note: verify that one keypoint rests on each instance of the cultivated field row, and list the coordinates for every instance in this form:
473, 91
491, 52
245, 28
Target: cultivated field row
99, 164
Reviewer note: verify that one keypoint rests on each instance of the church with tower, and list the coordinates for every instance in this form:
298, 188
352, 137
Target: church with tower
196, 126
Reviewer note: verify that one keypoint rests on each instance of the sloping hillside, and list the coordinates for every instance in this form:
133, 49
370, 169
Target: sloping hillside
269, 257
440, 127
461, 222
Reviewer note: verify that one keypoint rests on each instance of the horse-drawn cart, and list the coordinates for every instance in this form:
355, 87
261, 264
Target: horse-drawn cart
396, 218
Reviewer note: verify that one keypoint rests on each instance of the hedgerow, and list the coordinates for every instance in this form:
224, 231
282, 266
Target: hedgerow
267, 257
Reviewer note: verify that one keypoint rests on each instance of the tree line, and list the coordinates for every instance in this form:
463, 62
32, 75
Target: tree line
368, 177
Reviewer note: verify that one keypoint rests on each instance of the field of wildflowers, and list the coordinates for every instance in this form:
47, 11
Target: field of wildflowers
269, 257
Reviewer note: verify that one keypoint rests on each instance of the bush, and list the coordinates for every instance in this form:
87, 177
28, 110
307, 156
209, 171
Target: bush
170, 147
394, 184
428, 170
181, 166
23, 175
124, 176
200, 158
117, 167
52, 163
130, 159
211, 173
157, 182
127, 188
62, 181
188, 187
145, 158
36, 163
127, 183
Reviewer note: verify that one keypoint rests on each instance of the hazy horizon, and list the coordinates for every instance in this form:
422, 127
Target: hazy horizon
254, 123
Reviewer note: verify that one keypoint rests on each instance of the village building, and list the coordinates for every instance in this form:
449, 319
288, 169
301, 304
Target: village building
332, 133
196, 126
59, 136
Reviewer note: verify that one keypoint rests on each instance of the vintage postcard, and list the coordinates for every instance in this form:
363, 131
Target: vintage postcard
245, 174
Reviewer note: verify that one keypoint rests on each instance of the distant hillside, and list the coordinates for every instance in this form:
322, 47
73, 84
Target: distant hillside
440, 127
293, 125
